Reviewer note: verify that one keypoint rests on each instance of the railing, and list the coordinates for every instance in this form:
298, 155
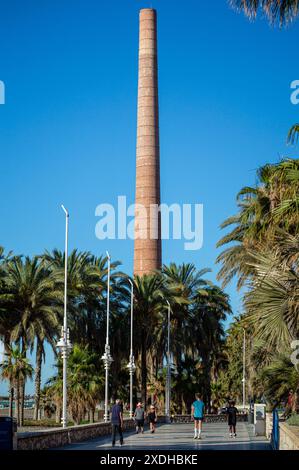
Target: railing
209, 418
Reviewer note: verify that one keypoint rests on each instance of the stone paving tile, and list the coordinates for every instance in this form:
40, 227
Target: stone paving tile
215, 436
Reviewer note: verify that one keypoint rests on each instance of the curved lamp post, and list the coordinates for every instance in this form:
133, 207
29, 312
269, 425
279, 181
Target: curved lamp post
64, 344
244, 368
131, 365
107, 359
168, 374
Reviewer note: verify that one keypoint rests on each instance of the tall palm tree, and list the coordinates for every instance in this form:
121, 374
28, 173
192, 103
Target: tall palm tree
208, 313
272, 302
6, 319
87, 285
182, 284
282, 11
148, 308
264, 209
35, 306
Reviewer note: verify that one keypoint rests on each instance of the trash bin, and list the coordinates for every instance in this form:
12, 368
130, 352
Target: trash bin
8, 433
260, 419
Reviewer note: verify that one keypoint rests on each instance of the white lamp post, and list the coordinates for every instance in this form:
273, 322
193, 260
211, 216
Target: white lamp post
131, 365
168, 374
107, 359
244, 367
64, 343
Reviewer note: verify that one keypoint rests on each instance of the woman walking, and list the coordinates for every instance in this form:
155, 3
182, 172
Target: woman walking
152, 418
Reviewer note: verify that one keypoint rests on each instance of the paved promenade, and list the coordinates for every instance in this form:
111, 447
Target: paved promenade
180, 437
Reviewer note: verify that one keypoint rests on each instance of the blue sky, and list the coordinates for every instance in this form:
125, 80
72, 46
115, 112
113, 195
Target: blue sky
68, 127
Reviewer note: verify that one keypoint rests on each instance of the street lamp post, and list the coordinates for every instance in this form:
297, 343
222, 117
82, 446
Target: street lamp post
168, 374
244, 367
131, 365
107, 359
64, 343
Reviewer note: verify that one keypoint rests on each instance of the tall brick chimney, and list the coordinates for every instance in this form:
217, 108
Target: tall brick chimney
147, 248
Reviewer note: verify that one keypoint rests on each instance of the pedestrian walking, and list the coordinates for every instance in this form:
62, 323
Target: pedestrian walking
139, 416
117, 422
198, 408
232, 418
152, 419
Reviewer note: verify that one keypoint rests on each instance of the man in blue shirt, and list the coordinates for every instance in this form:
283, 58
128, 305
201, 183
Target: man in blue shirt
117, 422
198, 408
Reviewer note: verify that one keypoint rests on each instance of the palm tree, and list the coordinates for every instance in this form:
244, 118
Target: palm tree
17, 369
279, 377
87, 284
208, 313
35, 306
6, 319
85, 384
45, 329
182, 284
148, 308
283, 11
272, 302
263, 210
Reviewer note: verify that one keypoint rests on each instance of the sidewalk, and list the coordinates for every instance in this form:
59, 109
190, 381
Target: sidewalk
180, 437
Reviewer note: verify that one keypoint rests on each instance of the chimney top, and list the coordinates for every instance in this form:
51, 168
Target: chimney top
149, 12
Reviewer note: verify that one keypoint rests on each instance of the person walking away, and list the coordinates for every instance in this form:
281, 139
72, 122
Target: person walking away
198, 408
117, 422
139, 416
152, 418
232, 418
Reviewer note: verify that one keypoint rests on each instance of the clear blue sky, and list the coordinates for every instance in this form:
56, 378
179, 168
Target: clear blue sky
68, 128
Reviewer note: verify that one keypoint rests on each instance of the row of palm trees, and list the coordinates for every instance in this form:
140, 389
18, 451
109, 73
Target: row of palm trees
31, 301
262, 252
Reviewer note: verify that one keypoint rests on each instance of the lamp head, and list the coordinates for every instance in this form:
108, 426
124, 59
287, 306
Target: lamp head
64, 210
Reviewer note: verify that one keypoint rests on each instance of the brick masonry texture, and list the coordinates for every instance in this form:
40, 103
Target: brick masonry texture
147, 251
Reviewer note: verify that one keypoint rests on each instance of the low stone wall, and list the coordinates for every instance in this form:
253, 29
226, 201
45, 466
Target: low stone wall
288, 437
59, 437
208, 418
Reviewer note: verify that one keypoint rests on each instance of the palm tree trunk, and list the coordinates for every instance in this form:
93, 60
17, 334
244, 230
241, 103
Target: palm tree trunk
38, 369
91, 415
22, 386
207, 373
178, 348
143, 375
58, 413
11, 399
6, 344
17, 402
